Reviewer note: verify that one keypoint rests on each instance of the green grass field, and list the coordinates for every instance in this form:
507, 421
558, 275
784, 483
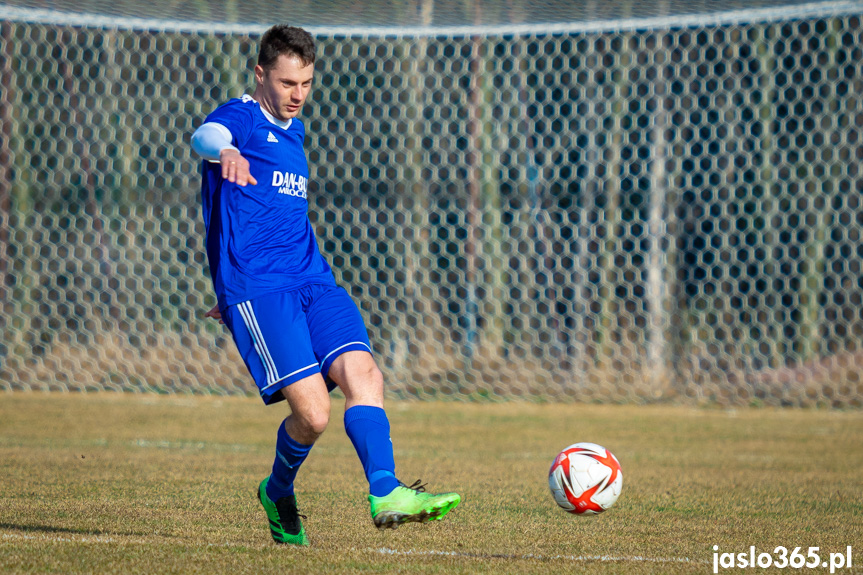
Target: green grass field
113, 483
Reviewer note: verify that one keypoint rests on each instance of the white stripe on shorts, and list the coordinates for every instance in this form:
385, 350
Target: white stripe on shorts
260, 345
323, 361
287, 376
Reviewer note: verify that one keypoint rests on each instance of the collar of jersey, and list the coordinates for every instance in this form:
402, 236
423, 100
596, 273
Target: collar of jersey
272, 119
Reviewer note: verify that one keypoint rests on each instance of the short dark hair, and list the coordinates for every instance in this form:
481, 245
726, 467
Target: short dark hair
286, 40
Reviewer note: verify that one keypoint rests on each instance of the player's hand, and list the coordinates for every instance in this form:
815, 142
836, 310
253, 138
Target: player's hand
215, 314
235, 168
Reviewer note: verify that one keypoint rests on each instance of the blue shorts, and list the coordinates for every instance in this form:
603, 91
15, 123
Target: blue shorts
285, 337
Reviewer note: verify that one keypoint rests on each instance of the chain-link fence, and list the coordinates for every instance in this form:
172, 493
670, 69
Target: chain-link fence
611, 215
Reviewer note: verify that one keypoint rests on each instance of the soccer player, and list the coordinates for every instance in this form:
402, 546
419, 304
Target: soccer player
299, 333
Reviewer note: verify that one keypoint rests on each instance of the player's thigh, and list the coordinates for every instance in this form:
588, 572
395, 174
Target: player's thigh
335, 325
357, 375
273, 338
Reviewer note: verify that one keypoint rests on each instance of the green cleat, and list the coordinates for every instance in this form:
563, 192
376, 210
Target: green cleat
405, 504
285, 523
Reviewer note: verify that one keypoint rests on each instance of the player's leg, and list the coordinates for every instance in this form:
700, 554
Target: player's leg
310, 410
366, 422
309, 402
340, 339
339, 336
273, 339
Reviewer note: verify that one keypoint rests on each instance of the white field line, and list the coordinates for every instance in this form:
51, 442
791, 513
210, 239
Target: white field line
68, 539
199, 445
98, 539
531, 556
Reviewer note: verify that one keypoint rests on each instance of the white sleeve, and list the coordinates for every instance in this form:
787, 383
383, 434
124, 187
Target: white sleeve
210, 139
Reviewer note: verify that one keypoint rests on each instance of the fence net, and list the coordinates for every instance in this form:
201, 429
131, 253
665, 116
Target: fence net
628, 213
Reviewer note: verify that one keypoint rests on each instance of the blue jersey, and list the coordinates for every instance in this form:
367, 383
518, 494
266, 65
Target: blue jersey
259, 237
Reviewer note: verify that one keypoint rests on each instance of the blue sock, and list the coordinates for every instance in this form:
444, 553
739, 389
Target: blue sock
289, 456
369, 430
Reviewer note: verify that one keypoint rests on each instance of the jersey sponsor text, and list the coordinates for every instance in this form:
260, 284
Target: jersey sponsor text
290, 184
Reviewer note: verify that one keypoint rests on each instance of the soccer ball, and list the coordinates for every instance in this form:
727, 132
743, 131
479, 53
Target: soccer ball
585, 479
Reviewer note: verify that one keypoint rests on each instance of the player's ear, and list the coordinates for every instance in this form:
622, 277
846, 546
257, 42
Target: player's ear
259, 74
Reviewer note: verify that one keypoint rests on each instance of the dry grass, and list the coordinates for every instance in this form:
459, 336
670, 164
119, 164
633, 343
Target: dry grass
430, 368
125, 483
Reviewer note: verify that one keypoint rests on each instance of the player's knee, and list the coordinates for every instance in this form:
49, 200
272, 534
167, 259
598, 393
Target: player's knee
375, 377
368, 386
316, 423
309, 425
367, 383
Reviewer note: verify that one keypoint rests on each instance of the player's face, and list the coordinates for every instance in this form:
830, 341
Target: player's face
282, 90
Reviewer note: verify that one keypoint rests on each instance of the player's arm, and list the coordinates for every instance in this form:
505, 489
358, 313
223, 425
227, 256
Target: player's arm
212, 141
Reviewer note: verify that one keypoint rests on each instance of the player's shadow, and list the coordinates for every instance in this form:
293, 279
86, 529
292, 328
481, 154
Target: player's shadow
53, 529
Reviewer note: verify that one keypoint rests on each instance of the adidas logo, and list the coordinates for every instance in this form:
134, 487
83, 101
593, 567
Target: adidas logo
271, 137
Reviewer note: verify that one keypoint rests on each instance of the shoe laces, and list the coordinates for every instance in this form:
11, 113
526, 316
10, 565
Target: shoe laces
288, 512
417, 486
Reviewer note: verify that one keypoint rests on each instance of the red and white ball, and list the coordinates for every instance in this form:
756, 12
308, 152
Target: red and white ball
585, 479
